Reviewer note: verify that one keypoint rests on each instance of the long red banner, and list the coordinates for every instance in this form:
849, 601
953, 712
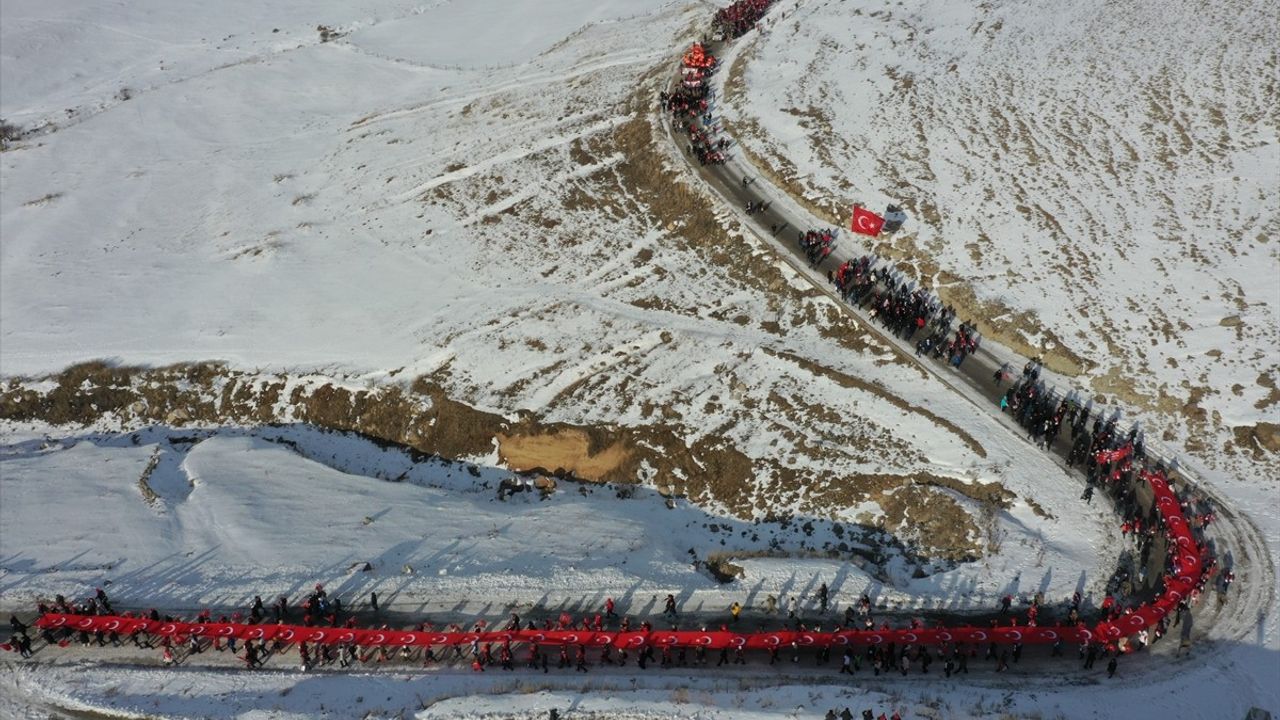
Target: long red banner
713, 639
1187, 568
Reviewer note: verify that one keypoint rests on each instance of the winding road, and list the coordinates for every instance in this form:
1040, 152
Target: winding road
1233, 535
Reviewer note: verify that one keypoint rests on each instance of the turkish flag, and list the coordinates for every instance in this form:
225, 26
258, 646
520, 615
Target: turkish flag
866, 222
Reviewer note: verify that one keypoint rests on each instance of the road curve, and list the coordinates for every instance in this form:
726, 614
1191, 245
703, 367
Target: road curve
1233, 535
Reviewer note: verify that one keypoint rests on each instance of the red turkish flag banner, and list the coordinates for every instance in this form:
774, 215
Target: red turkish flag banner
1189, 568
866, 222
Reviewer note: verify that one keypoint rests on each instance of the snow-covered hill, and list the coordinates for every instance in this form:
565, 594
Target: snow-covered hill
263, 197
1111, 167
501, 222
359, 195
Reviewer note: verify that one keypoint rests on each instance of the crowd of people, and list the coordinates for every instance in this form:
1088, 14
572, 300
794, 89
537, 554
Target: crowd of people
689, 103
953, 658
1116, 462
895, 302
1112, 462
816, 244
900, 306
1044, 414
1109, 458
846, 714
739, 18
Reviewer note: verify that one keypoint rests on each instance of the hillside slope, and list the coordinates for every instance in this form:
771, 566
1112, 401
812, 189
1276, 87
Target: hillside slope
1110, 167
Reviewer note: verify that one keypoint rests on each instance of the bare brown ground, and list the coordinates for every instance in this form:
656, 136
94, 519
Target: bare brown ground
920, 513
421, 418
1258, 439
915, 511
566, 451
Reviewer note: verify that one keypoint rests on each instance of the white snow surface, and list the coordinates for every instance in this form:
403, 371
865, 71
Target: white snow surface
26, 693
210, 181
274, 510
278, 202
231, 208
1111, 166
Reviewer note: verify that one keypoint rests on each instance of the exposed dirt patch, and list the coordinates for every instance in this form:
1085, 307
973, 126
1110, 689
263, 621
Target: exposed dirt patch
1273, 394
422, 418
566, 451
991, 493
1258, 439
43, 200
932, 519
844, 329
1011, 328
1116, 382
1037, 508
144, 484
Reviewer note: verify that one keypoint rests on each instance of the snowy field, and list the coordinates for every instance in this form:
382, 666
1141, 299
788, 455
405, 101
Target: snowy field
291, 170
1110, 167
355, 208
451, 190
273, 511
183, 693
